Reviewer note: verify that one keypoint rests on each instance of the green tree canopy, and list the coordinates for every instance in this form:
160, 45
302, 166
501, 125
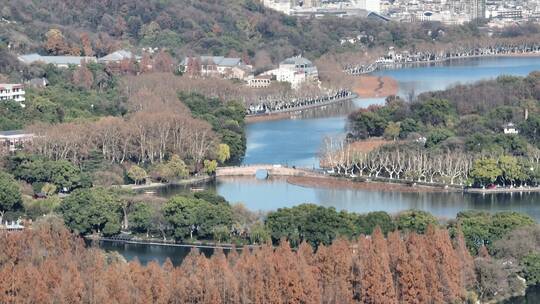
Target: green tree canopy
415, 221
485, 171
92, 210
10, 194
195, 217
137, 174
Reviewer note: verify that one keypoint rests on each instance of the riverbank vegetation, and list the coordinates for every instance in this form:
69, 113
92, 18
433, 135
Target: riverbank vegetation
478, 134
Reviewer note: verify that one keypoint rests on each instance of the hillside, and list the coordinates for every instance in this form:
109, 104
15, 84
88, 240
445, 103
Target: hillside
232, 27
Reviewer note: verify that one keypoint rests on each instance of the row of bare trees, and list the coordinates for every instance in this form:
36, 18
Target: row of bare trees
144, 137
420, 165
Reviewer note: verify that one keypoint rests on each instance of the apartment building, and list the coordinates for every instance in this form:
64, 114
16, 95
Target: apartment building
13, 92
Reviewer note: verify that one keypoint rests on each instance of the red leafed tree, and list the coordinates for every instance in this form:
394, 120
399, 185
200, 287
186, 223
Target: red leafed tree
86, 45
145, 65
413, 280
422, 269
193, 67
83, 77
163, 62
377, 282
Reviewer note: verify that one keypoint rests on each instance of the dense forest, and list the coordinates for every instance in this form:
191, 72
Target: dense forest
49, 265
245, 28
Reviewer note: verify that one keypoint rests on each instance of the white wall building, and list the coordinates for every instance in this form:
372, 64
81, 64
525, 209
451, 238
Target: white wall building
296, 71
13, 92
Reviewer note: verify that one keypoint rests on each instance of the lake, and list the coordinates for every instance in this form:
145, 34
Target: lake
297, 142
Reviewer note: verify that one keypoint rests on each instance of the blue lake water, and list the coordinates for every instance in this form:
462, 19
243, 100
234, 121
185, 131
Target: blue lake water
298, 142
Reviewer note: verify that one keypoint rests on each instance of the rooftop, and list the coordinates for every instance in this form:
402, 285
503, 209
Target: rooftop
298, 60
218, 60
119, 55
59, 60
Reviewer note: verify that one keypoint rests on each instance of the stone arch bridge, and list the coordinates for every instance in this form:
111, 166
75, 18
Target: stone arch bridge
273, 170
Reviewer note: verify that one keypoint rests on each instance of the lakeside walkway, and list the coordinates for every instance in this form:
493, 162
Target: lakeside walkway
184, 182
155, 242
292, 106
395, 60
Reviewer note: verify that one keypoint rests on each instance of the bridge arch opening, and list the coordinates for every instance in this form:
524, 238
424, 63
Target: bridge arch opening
262, 174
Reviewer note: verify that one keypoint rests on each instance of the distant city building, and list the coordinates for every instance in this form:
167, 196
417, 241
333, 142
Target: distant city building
321, 8
14, 92
59, 61
477, 9
11, 141
119, 56
218, 66
296, 71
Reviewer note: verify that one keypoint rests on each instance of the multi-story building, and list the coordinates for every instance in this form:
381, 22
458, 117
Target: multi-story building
14, 92
296, 71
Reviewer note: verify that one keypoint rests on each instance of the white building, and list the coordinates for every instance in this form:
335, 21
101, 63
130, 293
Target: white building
510, 128
11, 141
13, 92
296, 71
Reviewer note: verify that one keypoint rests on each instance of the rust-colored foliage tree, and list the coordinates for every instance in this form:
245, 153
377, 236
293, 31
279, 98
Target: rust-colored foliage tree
49, 265
377, 282
86, 45
83, 77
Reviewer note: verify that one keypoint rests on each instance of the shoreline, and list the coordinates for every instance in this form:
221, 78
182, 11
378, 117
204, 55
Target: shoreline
185, 182
159, 242
401, 65
331, 182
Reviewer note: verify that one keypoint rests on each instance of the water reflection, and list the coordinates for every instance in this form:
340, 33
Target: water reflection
275, 193
150, 253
